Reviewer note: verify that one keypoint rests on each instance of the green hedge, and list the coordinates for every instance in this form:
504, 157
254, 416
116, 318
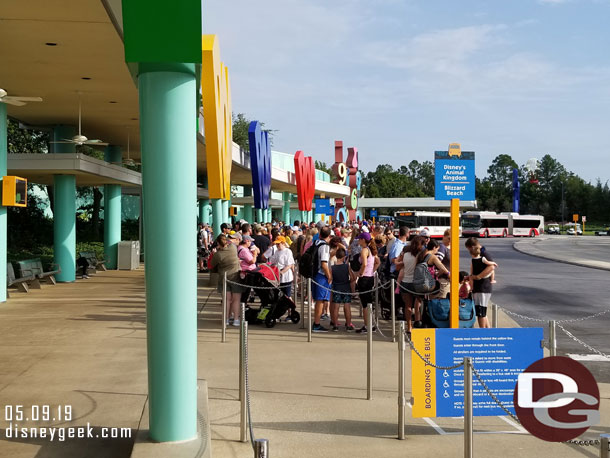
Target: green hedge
45, 253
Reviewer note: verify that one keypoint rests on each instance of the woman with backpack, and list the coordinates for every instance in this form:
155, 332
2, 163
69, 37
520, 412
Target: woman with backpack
369, 262
405, 280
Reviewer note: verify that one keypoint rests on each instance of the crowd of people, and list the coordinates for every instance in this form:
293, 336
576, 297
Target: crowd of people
345, 260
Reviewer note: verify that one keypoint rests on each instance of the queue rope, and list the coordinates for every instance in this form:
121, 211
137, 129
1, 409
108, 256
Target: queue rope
546, 320
250, 427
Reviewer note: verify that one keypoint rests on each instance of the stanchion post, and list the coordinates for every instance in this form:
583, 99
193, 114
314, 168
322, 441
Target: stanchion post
301, 278
603, 446
223, 338
376, 286
309, 310
468, 433
294, 286
494, 315
369, 354
393, 307
243, 341
552, 338
401, 381
261, 448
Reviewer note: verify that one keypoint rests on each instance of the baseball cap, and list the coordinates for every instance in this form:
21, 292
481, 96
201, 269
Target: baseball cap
424, 233
247, 237
320, 224
280, 239
232, 235
365, 229
295, 228
364, 236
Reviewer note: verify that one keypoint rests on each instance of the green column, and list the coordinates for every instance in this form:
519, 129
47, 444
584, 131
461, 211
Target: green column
225, 212
303, 216
169, 183
286, 209
112, 211
216, 216
64, 211
269, 214
259, 215
3, 216
207, 210
248, 213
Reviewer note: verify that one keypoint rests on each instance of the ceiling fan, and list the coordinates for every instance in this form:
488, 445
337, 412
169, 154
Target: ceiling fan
17, 100
80, 139
129, 161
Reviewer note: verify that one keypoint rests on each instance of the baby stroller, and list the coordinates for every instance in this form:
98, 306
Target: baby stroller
274, 303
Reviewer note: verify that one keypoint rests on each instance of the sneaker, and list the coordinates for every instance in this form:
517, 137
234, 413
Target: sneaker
325, 317
418, 324
236, 323
85, 277
229, 322
349, 327
362, 330
318, 328
334, 328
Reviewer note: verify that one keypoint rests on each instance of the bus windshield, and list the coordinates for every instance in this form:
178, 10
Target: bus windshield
471, 222
409, 221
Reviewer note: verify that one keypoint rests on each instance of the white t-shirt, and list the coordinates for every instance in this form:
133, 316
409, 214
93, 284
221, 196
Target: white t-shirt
283, 258
409, 262
323, 255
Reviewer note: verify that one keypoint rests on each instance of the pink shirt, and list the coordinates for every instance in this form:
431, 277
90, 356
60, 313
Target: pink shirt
245, 258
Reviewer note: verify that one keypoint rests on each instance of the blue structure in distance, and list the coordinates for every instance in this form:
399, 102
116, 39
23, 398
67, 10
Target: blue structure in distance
260, 164
516, 191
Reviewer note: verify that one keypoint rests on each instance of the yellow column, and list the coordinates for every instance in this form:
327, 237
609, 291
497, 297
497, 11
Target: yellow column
455, 263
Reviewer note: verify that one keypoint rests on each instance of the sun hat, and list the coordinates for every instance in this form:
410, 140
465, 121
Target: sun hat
364, 236
280, 239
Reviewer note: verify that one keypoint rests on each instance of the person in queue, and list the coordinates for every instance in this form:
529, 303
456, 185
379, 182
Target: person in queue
322, 278
480, 278
225, 260
283, 259
405, 278
262, 242
366, 275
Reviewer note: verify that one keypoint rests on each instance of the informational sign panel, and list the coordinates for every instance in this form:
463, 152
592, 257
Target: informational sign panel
454, 176
373, 213
499, 355
575, 217
322, 206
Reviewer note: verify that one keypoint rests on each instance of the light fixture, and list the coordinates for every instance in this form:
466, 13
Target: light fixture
51, 44
85, 78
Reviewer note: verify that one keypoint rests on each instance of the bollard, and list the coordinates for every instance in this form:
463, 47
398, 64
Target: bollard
294, 286
302, 301
261, 448
309, 310
401, 381
603, 446
376, 286
468, 427
223, 337
369, 353
494, 315
552, 339
393, 308
243, 341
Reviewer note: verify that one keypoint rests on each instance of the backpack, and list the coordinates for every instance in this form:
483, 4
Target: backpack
423, 280
308, 260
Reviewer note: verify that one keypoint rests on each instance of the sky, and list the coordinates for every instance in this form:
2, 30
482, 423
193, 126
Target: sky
399, 79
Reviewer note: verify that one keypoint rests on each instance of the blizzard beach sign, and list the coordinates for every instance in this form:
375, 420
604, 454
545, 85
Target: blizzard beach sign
454, 174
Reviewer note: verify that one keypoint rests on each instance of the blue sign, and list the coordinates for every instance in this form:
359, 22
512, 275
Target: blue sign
260, 164
498, 355
322, 206
373, 213
331, 211
454, 175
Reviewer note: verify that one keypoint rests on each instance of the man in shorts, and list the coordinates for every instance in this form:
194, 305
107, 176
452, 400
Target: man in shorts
322, 279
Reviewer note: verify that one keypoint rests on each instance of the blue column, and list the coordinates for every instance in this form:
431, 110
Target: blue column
112, 211
64, 211
216, 216
3, 215
169, 183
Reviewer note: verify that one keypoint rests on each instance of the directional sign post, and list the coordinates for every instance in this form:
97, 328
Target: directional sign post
454, 179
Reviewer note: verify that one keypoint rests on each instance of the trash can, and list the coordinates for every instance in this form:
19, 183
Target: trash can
129, 255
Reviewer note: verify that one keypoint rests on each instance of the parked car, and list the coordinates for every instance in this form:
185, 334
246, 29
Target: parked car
605, 231
574, 229
553, 229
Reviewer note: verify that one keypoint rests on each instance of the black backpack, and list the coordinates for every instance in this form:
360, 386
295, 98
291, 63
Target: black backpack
308, 264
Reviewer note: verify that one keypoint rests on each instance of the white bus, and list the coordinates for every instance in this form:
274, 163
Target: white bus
484, 224
436, 223
525, 225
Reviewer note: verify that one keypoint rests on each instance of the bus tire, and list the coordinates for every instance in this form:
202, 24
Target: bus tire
532, 233
504, 234
486, 234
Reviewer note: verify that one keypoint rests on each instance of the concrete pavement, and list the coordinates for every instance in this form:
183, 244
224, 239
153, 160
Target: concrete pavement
582, 251
84, 345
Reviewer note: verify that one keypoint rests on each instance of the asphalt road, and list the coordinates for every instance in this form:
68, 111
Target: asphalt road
544, 289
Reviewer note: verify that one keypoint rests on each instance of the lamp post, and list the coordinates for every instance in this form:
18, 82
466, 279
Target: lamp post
562, 207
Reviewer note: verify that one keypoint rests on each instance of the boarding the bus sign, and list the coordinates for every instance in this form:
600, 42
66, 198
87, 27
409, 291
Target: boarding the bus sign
454, 174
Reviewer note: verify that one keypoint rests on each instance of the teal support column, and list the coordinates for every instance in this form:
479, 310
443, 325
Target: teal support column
169, 165
207, 211
303, 216
286, 208
269, 218
225, 212
3, 214
216, 216
64, 211
259, 215
248, 213
112, 211
64, 226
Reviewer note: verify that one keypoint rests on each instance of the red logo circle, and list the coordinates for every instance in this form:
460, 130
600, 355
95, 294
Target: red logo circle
556, 399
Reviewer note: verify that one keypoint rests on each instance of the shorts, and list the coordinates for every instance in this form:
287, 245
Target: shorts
366, 284
341, 298
480, 303
231, 286
321, 292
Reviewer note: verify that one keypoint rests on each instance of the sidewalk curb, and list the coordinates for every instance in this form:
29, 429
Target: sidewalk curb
540, 254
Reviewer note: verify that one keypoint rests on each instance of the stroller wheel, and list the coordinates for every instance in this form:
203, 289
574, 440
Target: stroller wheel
270, 322
295, 317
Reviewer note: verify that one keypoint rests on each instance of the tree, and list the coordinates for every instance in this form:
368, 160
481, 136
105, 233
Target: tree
241, 124
319, 165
